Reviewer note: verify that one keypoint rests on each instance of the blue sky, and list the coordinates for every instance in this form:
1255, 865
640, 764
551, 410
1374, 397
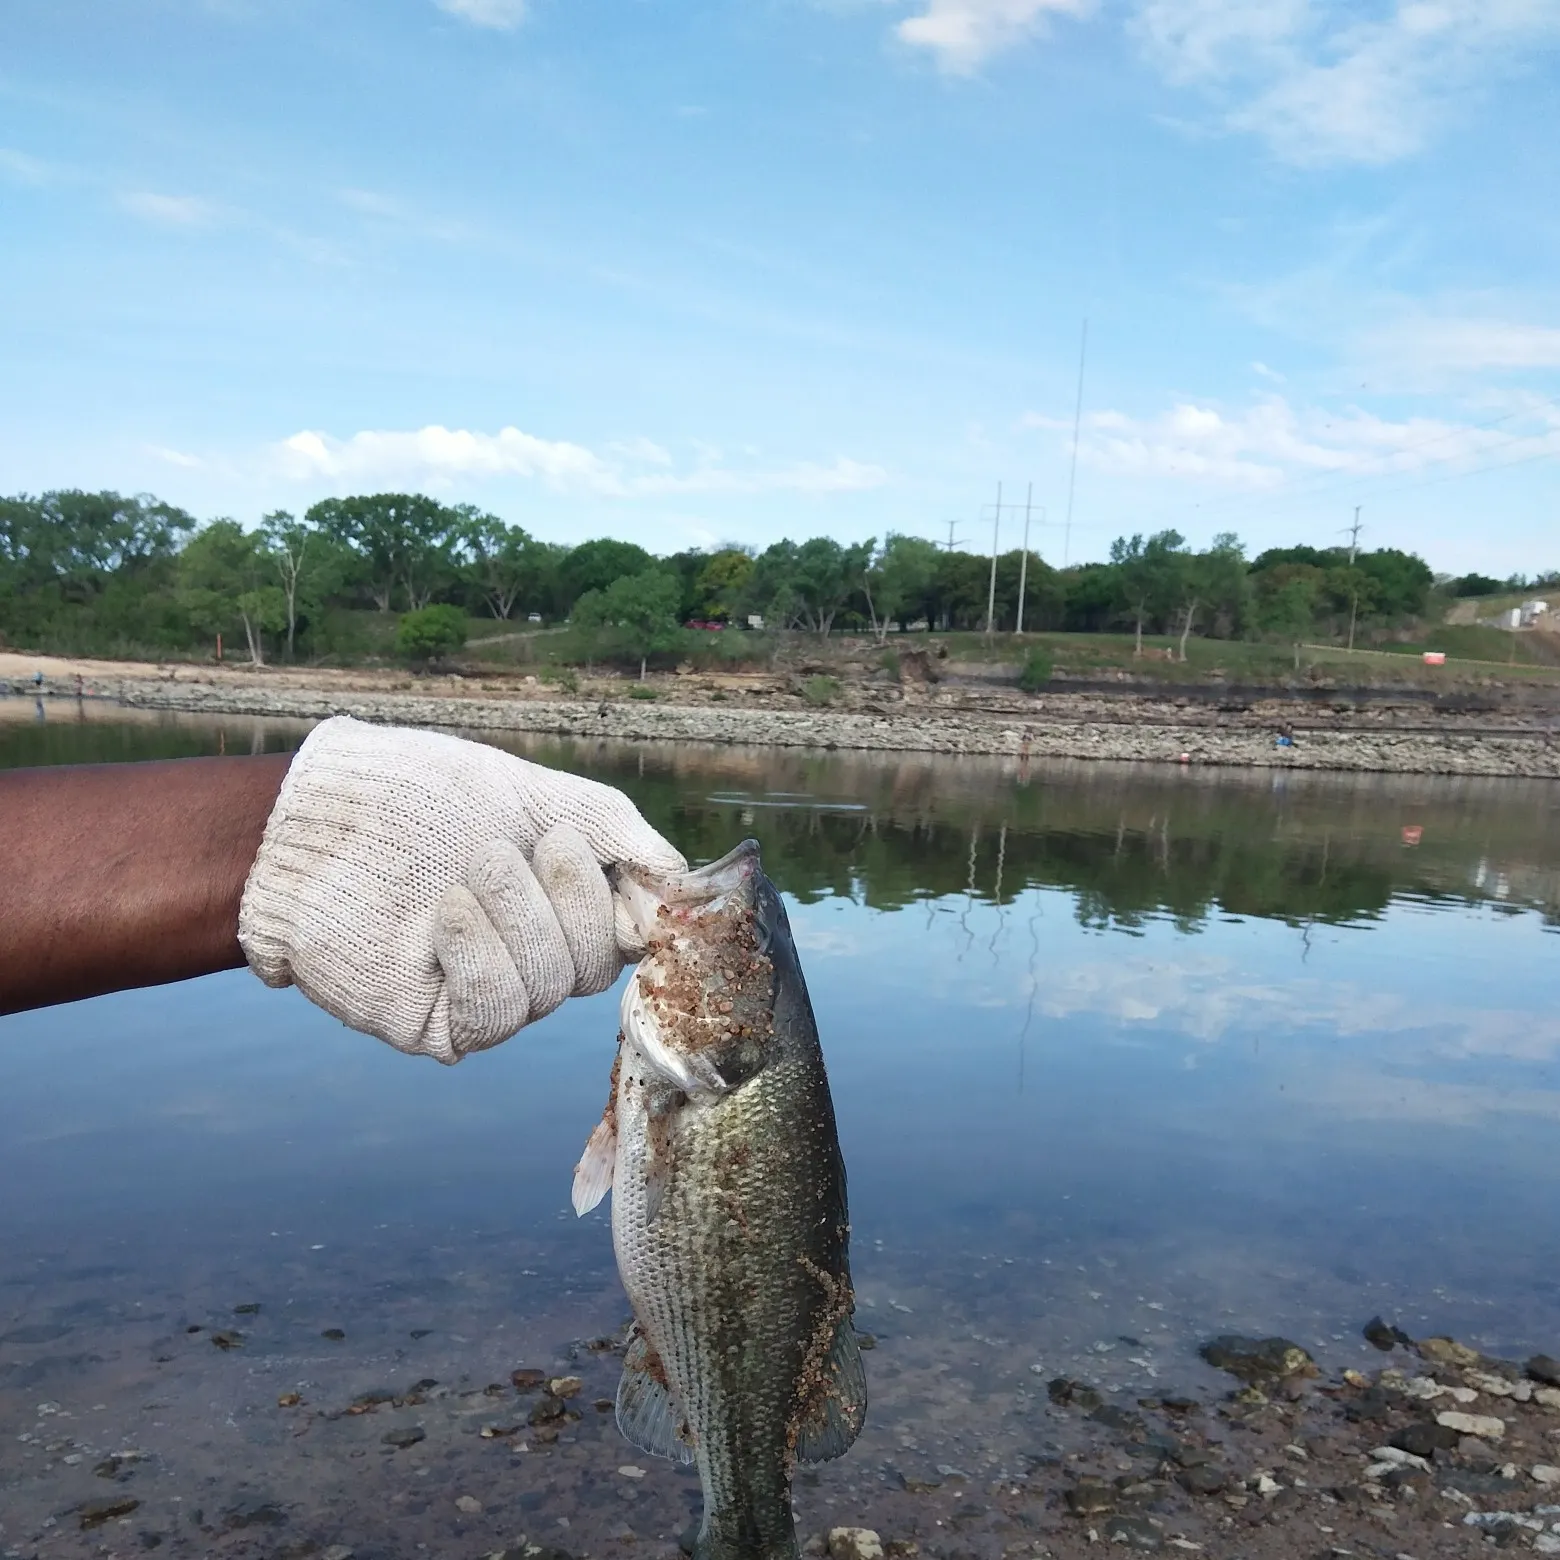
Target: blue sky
697, 272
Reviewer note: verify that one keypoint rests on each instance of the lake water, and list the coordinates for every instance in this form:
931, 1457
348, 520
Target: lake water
1122, 1057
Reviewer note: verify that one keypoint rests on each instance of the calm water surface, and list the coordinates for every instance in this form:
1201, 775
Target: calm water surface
1121, 1058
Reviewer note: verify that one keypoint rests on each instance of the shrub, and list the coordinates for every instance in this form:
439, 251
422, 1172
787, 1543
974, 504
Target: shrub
564, 677
640, 691
891, 663
430, 634
1036, 670
821, 690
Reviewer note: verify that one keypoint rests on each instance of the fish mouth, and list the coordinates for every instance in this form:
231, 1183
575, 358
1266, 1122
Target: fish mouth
642, 896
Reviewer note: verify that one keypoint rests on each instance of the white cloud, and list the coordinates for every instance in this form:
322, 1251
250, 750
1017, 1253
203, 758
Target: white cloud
182, 211
628, 469
175, 457
19, 168
963, 34
1449, 345
1265, 445
504, 15
1322, 82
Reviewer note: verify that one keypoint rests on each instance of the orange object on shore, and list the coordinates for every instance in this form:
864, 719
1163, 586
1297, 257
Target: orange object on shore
1435, 658
1413, 833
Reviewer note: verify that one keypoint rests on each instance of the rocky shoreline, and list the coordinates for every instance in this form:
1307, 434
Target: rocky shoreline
1062, 725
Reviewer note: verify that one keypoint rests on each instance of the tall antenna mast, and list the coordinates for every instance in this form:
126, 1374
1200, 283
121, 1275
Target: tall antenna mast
1072, 476
991, 595
1023, 562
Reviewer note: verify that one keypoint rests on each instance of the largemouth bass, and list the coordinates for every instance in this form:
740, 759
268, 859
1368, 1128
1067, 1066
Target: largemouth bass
728, 1207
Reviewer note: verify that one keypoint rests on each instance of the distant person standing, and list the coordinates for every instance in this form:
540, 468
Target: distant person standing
38, 679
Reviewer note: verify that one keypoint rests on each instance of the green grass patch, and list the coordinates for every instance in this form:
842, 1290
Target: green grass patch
821, 691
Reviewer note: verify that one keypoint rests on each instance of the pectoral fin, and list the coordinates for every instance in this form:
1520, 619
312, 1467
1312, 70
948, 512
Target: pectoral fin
837, 1406
647, 1413
593, 1174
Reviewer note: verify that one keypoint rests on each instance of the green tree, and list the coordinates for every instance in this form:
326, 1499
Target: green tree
722, 583
1286, 605
404, 540
288, 542
225, 575
641, 607
428, 634
502, 561
595, 565
1150, 578
899, 579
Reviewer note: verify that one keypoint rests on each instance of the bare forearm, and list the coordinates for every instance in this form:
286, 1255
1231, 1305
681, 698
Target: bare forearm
121, 875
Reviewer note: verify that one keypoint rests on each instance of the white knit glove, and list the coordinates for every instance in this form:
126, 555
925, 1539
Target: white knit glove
439, 893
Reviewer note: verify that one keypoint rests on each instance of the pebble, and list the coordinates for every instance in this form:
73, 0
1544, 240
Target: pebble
96, 1512
1546, 1473
848, 1543
629, 1471
565, 1386
1402, 1458
1547, 1544
1548, 1396
1254, 1360
338, 1552
407, 1435
1485, 1426
1425, 1438
468, 1503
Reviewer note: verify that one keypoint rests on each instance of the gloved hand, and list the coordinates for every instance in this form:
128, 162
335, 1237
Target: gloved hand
439, 893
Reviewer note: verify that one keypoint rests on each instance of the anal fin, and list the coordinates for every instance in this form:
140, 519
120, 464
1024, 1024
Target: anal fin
593, 1174
647, 1413
838, 1406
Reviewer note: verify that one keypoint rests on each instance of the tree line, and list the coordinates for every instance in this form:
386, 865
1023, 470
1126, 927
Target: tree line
102, 573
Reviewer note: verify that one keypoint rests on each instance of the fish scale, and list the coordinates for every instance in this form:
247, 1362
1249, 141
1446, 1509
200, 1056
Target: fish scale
729, 1212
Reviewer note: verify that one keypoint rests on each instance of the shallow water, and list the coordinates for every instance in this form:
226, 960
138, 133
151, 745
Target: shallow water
1121, 1057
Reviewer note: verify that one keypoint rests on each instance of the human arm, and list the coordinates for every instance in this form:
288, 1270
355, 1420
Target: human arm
121, 875
435, 892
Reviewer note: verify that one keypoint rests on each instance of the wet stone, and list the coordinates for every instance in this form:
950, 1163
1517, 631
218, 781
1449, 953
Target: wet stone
1544, 1368
1090, 1497
1118, 1419
226, 1339
248, 1308
334, 1334
847, 1543
1380, 1335
1425, 1438
96, 1512
547, 1409
1134, 1532
404, 1436
1447, 1351
526, 1380
252, 1513
1067, 1393
1371, 1405
1256, 1360
1204, 1479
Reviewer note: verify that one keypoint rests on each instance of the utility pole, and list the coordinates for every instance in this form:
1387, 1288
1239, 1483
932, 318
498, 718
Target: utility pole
1354, 590
991, 594
1072, 476
1023, 563
952, 525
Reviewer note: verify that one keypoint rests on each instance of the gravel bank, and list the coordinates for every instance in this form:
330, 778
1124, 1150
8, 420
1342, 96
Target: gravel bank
1058, 726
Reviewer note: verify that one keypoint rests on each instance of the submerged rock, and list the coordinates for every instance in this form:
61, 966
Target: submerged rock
1256, 1360
404, 1436
96, 1512
847, 1543
1447, 1351
1067, 1393
1384, 1337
